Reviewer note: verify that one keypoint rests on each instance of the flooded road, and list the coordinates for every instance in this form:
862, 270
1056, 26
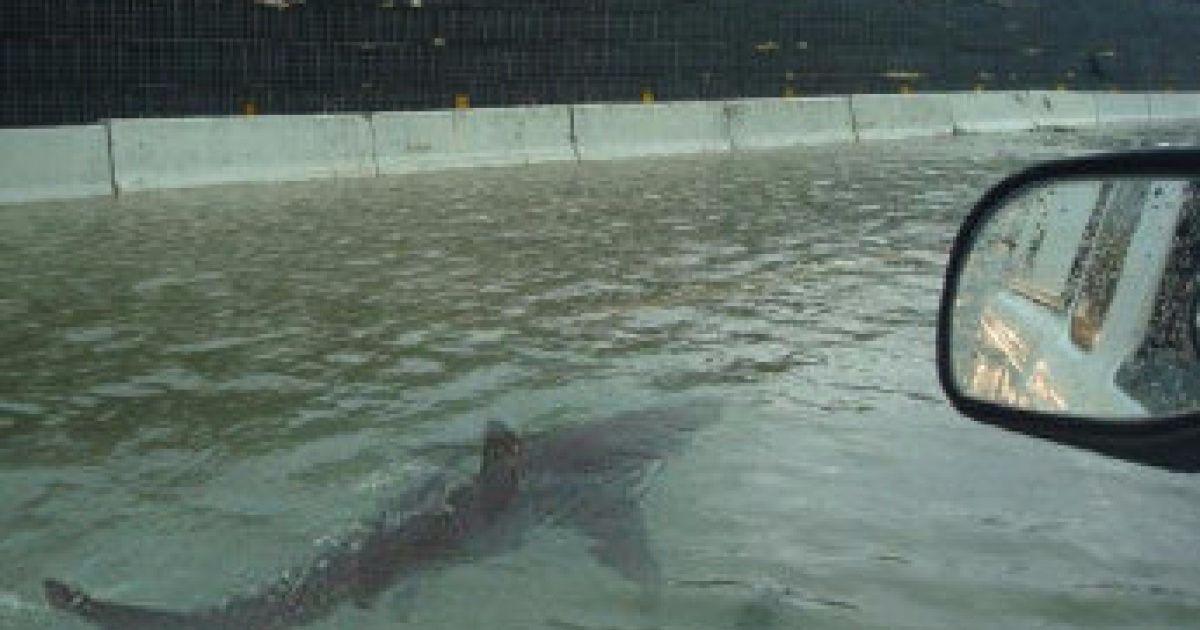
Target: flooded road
198, 389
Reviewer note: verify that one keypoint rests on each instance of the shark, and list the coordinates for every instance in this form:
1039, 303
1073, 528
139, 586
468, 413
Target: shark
590, 477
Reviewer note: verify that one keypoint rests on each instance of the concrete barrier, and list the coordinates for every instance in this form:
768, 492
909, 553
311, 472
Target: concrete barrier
769, 123
632, 130
1122, 109
991, 112
406, 142
895, 116
54, 163
186, 152
1175, 106
130, 155
1071, 110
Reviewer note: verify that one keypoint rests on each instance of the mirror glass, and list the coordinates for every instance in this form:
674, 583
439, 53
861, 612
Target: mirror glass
1079, 297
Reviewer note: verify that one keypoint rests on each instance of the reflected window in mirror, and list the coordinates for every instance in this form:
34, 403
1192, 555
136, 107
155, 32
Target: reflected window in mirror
1120, 211
1164, 374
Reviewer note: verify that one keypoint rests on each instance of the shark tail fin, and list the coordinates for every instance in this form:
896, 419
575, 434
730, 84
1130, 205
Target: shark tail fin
113, 616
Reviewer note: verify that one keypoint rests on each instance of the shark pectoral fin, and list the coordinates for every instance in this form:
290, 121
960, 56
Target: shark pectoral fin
631, 560
402, 600
398, 601
621, 542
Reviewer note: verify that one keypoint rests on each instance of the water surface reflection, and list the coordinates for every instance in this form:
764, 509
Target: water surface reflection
196, 387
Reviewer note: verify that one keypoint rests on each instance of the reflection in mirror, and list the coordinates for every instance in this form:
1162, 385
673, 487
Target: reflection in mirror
1080, 297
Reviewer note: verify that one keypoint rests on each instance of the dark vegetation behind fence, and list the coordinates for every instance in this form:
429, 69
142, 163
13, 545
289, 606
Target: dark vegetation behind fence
71, 61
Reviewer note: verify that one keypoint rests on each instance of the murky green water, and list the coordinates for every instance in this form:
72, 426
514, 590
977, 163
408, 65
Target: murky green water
197, 388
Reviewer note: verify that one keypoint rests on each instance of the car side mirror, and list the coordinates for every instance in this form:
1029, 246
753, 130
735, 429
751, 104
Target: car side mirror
1071, 309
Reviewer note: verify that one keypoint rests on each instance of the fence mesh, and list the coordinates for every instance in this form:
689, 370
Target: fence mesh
71, 61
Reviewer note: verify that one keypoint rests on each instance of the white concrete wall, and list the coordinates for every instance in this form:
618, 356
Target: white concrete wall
1069, 110
186, 152
146, 154
1175, 106
407, 142
770, 122
991, 112
1122, 109
54, 163
896, 116
634, 130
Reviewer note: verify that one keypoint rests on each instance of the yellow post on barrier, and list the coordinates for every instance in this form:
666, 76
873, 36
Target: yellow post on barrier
249, 108
789, 91
647, 95
462, 101
906, 88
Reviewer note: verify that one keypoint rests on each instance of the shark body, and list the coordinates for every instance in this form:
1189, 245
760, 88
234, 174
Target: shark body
589, 477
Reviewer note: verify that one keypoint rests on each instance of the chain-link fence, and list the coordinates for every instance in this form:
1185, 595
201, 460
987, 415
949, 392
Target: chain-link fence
68, 61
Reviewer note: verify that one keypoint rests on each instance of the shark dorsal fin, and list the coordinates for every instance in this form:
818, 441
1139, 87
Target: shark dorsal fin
500, 447
499, 467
